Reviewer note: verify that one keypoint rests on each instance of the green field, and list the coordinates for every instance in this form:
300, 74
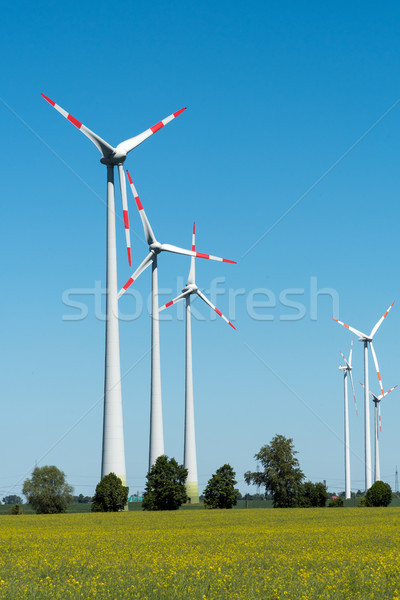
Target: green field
86, 507
295, 554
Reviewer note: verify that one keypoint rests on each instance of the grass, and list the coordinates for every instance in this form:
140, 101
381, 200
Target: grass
77, 507
299, 554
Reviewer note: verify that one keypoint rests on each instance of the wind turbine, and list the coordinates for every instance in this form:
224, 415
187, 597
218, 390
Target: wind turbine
156, 421
190, 460
377, 401
367, 339
113, 456
347, 370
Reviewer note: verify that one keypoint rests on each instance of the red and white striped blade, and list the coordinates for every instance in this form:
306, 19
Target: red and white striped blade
379, 323
379, 417
175, 300
206, 300
344, 358
177, 250
359, 333
371, 393
351, 353
148, 232
354, 392
147, 261
391, 390
133, 142
192, 275
122, 183
388, 392
376, 367
105, 148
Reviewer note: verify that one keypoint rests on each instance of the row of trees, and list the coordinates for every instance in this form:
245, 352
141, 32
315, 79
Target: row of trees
281, 476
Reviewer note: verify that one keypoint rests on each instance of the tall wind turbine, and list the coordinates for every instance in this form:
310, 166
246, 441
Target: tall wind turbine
113, 456
377, 401
367, 339
190, 460
156, 421
347, 370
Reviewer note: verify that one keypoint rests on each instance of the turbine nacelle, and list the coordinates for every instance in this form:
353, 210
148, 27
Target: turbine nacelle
155, 247
190, 287
114, 159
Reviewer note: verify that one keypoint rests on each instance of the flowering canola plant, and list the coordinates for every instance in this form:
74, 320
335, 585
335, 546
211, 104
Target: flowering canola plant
292, 554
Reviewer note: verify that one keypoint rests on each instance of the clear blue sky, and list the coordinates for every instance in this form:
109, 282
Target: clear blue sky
277, 93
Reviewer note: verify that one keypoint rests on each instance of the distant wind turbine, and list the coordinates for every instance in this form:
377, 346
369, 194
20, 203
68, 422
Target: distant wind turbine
190, 459
367, 339
347, 370
113, 457
377, 402
155, 248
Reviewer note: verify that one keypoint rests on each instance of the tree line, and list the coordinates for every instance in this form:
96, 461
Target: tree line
280, 475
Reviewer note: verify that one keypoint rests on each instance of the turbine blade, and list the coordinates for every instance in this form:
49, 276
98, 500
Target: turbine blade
147, 261
388, 392
206, 300
133, 142
391, 390
359, 333
122, 183
351, 352
101, 144
177, 299
371, 394
191, 278
344, 358
376, 367
379, 323
177, 250
148, 232
354, 392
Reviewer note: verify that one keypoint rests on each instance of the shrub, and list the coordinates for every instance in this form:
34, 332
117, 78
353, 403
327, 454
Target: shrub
379, 494
312, 494
16, 510
335, 502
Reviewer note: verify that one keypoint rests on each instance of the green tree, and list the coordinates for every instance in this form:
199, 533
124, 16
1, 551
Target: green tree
312, 494
47, 491
111, 495
165, 487
220, 491
12, 500
81, 499
282, 475
379, 494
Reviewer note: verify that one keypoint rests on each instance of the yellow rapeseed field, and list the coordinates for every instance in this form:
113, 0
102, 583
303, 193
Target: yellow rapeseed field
300, 554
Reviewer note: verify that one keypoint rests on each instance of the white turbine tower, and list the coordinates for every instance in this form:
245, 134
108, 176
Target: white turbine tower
367, 339
190, 460
347, 370
156, 421
377, 401
113, 456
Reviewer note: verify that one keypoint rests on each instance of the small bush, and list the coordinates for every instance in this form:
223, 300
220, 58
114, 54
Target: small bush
335, 502
16, 510
379, 494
